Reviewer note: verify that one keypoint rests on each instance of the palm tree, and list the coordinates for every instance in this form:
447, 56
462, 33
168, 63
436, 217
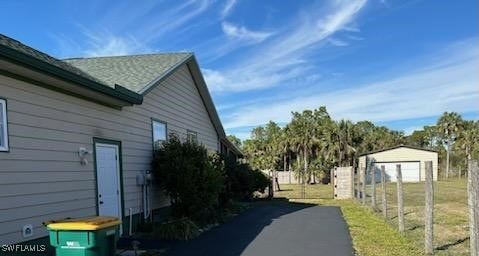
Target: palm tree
430, 132
363, 139
468, 139
449, 126
345, 141
304, 136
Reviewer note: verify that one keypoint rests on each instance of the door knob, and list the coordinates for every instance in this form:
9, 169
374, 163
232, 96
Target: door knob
101, 202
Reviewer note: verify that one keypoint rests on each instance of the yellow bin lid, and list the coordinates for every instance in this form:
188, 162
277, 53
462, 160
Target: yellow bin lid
89, 223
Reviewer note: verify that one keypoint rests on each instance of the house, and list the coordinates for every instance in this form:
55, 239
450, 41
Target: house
412, 161
76, 134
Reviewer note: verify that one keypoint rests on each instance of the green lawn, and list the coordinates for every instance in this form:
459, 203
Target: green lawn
451, 236
374, 236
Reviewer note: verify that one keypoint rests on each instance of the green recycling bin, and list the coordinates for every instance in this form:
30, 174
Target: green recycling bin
93, 236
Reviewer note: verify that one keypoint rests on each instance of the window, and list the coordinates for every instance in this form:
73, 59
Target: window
3, 126
159, 133
191, 136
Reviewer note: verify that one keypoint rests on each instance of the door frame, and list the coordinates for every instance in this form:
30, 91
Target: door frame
121, 200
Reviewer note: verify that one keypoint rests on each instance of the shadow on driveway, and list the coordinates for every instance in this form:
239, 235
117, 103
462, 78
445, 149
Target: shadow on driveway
271, 228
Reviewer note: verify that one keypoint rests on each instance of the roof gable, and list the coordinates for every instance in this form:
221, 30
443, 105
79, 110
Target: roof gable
397, 147
134, 72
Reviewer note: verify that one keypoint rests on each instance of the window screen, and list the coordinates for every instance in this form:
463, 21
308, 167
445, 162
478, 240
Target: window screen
159, 133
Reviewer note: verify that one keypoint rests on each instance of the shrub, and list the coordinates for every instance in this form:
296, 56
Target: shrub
179, 229
187, 173
261, 181
242, 181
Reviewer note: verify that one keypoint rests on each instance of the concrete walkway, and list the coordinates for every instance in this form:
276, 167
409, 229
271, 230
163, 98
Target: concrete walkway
276, 229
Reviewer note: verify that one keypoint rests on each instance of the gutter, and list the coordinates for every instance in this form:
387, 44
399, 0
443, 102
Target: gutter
119, 92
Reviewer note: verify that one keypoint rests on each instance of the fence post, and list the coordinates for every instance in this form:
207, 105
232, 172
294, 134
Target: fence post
363, 185
429, 211
383, 192
353, 186
332, 180
400, 199
357, 188
373, 185
473, 198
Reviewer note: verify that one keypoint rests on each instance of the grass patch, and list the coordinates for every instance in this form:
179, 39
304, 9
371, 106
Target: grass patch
371, 235
450, 214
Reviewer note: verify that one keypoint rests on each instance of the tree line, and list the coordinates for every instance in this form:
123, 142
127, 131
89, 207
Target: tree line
312, 143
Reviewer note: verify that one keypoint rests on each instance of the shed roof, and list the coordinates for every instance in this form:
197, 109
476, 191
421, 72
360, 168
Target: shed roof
395, 147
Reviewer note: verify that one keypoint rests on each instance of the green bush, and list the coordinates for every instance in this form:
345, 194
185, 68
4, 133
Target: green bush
189, 177
261, 181
241, 181
179, 229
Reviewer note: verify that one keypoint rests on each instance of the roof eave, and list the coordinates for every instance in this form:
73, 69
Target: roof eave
123, 95
233, 147
151, 85
396, 147
205, 94
200, 83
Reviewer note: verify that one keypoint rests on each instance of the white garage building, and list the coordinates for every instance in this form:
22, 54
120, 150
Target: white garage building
412, 161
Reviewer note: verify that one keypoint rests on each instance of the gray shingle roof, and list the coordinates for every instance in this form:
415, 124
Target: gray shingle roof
13, 44
134, 72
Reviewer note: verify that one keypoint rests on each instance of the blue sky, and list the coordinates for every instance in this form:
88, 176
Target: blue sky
396, 63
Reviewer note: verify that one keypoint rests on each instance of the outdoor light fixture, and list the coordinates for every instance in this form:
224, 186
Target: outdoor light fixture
83, 152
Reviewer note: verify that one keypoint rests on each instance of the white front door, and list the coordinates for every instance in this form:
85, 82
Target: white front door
108, 179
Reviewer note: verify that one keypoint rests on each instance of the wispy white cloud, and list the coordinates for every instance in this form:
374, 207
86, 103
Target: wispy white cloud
351, 29
279, 59
173, 18
101, 39
449, 85
99, 43
228, 7
409, 130
108, 44
337, 42
242, 33
242, 135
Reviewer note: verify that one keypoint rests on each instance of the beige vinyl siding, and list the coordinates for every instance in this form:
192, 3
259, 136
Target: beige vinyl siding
405, 154
41, 178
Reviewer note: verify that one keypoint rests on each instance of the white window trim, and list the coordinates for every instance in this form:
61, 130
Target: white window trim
195, 134
4, 131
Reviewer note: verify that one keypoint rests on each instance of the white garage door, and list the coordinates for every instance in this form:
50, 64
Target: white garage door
410, 171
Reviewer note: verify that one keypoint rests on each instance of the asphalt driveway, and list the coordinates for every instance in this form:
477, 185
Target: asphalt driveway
277, 229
